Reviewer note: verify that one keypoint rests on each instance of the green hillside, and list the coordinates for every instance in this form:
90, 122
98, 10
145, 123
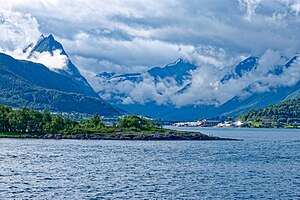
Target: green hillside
19, 89
284, 114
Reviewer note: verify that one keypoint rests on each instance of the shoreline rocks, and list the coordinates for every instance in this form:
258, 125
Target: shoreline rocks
170, 136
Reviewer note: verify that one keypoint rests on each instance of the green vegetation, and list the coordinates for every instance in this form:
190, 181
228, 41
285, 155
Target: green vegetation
285, 114
24, 121
137, 124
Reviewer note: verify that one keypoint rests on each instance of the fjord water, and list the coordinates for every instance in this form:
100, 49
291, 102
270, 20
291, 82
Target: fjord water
265, 165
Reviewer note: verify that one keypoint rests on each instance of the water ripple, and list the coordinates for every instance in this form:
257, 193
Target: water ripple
66, 169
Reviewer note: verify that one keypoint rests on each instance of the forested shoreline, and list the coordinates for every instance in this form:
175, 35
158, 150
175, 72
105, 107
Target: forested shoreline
28, 123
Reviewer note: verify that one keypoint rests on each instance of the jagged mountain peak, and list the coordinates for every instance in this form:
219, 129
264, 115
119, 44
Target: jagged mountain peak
47, 44
243, 67
178, 62
246, 65
179, 70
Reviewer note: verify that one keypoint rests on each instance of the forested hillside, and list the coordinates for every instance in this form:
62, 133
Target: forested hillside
284, 114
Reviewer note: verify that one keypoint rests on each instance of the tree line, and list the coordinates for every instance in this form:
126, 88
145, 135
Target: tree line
26, 120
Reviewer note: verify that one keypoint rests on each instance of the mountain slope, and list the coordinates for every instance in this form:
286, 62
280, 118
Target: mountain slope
237, 106
40, 75
50, 45
25, 84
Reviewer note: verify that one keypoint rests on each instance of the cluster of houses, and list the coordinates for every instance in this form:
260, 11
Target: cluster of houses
209, 123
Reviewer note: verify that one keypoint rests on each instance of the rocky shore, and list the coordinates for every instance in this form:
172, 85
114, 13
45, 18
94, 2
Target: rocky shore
124, 136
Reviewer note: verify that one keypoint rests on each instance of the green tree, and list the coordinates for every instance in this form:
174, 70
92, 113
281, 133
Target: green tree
4, 118
47, 116
136, 122
57, 124
96, 121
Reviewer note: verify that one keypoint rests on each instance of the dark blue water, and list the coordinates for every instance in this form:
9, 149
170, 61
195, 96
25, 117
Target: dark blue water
265, 165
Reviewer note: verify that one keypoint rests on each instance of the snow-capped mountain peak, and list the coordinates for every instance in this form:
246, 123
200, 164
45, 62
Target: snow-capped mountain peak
47, 44
51, 53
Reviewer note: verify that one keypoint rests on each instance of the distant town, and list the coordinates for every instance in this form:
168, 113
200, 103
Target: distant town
210, 123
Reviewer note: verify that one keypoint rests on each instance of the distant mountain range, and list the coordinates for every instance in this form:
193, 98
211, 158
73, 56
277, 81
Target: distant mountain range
27, 84
181, 71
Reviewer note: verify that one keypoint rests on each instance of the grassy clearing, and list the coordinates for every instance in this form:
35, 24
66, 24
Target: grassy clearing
13, 135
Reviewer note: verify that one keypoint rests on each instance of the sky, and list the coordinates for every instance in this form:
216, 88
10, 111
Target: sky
134, 35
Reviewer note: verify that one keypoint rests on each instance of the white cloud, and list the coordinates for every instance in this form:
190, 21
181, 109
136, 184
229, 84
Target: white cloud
17, 31
250, 7
296, 7
55, 61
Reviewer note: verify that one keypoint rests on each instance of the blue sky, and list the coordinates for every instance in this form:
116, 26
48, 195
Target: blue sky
133, 35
